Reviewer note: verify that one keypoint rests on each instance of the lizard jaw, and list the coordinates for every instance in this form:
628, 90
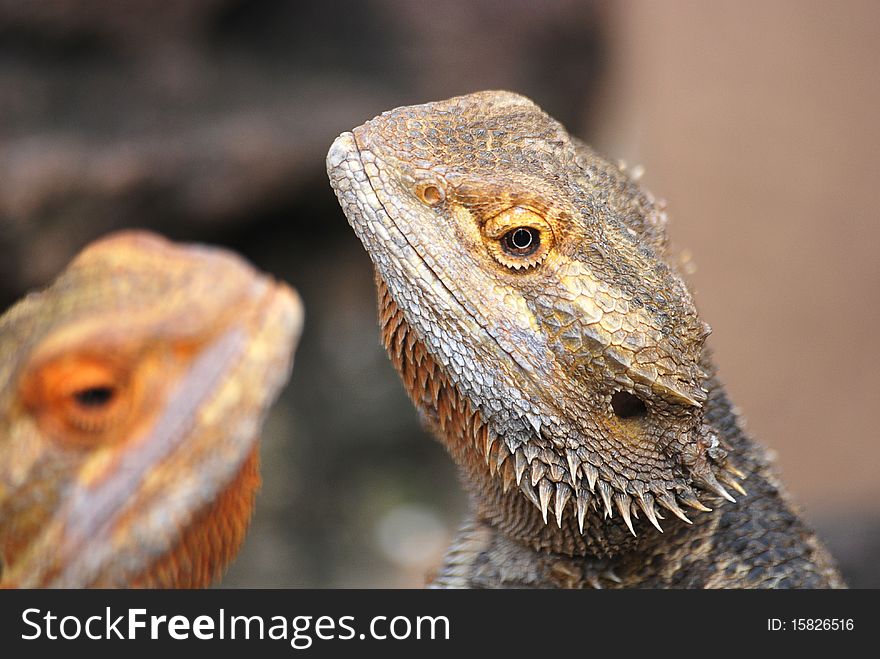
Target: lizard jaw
566, 490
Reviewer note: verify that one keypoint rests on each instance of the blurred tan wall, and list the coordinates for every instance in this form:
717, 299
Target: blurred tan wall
758, 122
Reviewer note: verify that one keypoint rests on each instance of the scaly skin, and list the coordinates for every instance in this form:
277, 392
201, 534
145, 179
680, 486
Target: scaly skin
528, 298
132, 392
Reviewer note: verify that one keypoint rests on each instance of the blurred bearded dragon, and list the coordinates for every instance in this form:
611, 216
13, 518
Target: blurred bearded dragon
132, 392
529, 301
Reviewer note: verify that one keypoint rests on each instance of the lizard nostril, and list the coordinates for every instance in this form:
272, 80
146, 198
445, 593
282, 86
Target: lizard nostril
627, 406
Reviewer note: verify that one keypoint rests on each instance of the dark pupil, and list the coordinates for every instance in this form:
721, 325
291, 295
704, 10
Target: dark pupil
522, 241
521, 238
626, 406
94, 397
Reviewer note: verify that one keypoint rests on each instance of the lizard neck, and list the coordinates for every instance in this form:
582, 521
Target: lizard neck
208, 544
200, 555
509, 509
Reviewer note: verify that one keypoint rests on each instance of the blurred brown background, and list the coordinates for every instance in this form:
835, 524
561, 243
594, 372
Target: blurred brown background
209, 120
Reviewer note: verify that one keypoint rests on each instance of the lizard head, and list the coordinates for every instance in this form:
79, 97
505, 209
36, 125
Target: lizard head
536, 275
132, 392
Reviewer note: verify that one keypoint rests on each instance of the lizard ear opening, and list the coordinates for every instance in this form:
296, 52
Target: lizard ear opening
627, 406
430, 193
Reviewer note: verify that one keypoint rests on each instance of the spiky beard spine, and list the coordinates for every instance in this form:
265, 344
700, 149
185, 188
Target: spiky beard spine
516, 491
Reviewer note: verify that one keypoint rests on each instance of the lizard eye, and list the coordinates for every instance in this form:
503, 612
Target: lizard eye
94, 397
522, 241
77, 398
95, 407
518, 238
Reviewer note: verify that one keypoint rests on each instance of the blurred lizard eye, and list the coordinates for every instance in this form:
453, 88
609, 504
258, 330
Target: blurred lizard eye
78, 398
518, 238
94, 408
94, 397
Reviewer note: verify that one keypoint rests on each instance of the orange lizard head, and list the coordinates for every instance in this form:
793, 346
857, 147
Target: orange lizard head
132, 392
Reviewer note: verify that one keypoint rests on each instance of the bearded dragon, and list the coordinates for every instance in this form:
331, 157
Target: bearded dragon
132, 392
530, 302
